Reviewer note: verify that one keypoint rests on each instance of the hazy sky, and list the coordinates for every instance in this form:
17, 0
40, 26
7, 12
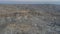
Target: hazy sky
29, 0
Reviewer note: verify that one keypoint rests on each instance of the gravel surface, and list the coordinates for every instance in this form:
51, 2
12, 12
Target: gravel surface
29, 19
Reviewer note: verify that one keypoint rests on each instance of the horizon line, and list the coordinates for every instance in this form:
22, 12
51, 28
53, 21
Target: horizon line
28, 2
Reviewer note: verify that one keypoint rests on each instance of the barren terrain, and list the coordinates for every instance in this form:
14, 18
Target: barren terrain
29, 19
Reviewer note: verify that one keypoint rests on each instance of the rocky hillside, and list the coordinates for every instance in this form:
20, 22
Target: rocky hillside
29, 19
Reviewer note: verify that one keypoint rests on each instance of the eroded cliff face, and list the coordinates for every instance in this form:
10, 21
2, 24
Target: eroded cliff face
29, 19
